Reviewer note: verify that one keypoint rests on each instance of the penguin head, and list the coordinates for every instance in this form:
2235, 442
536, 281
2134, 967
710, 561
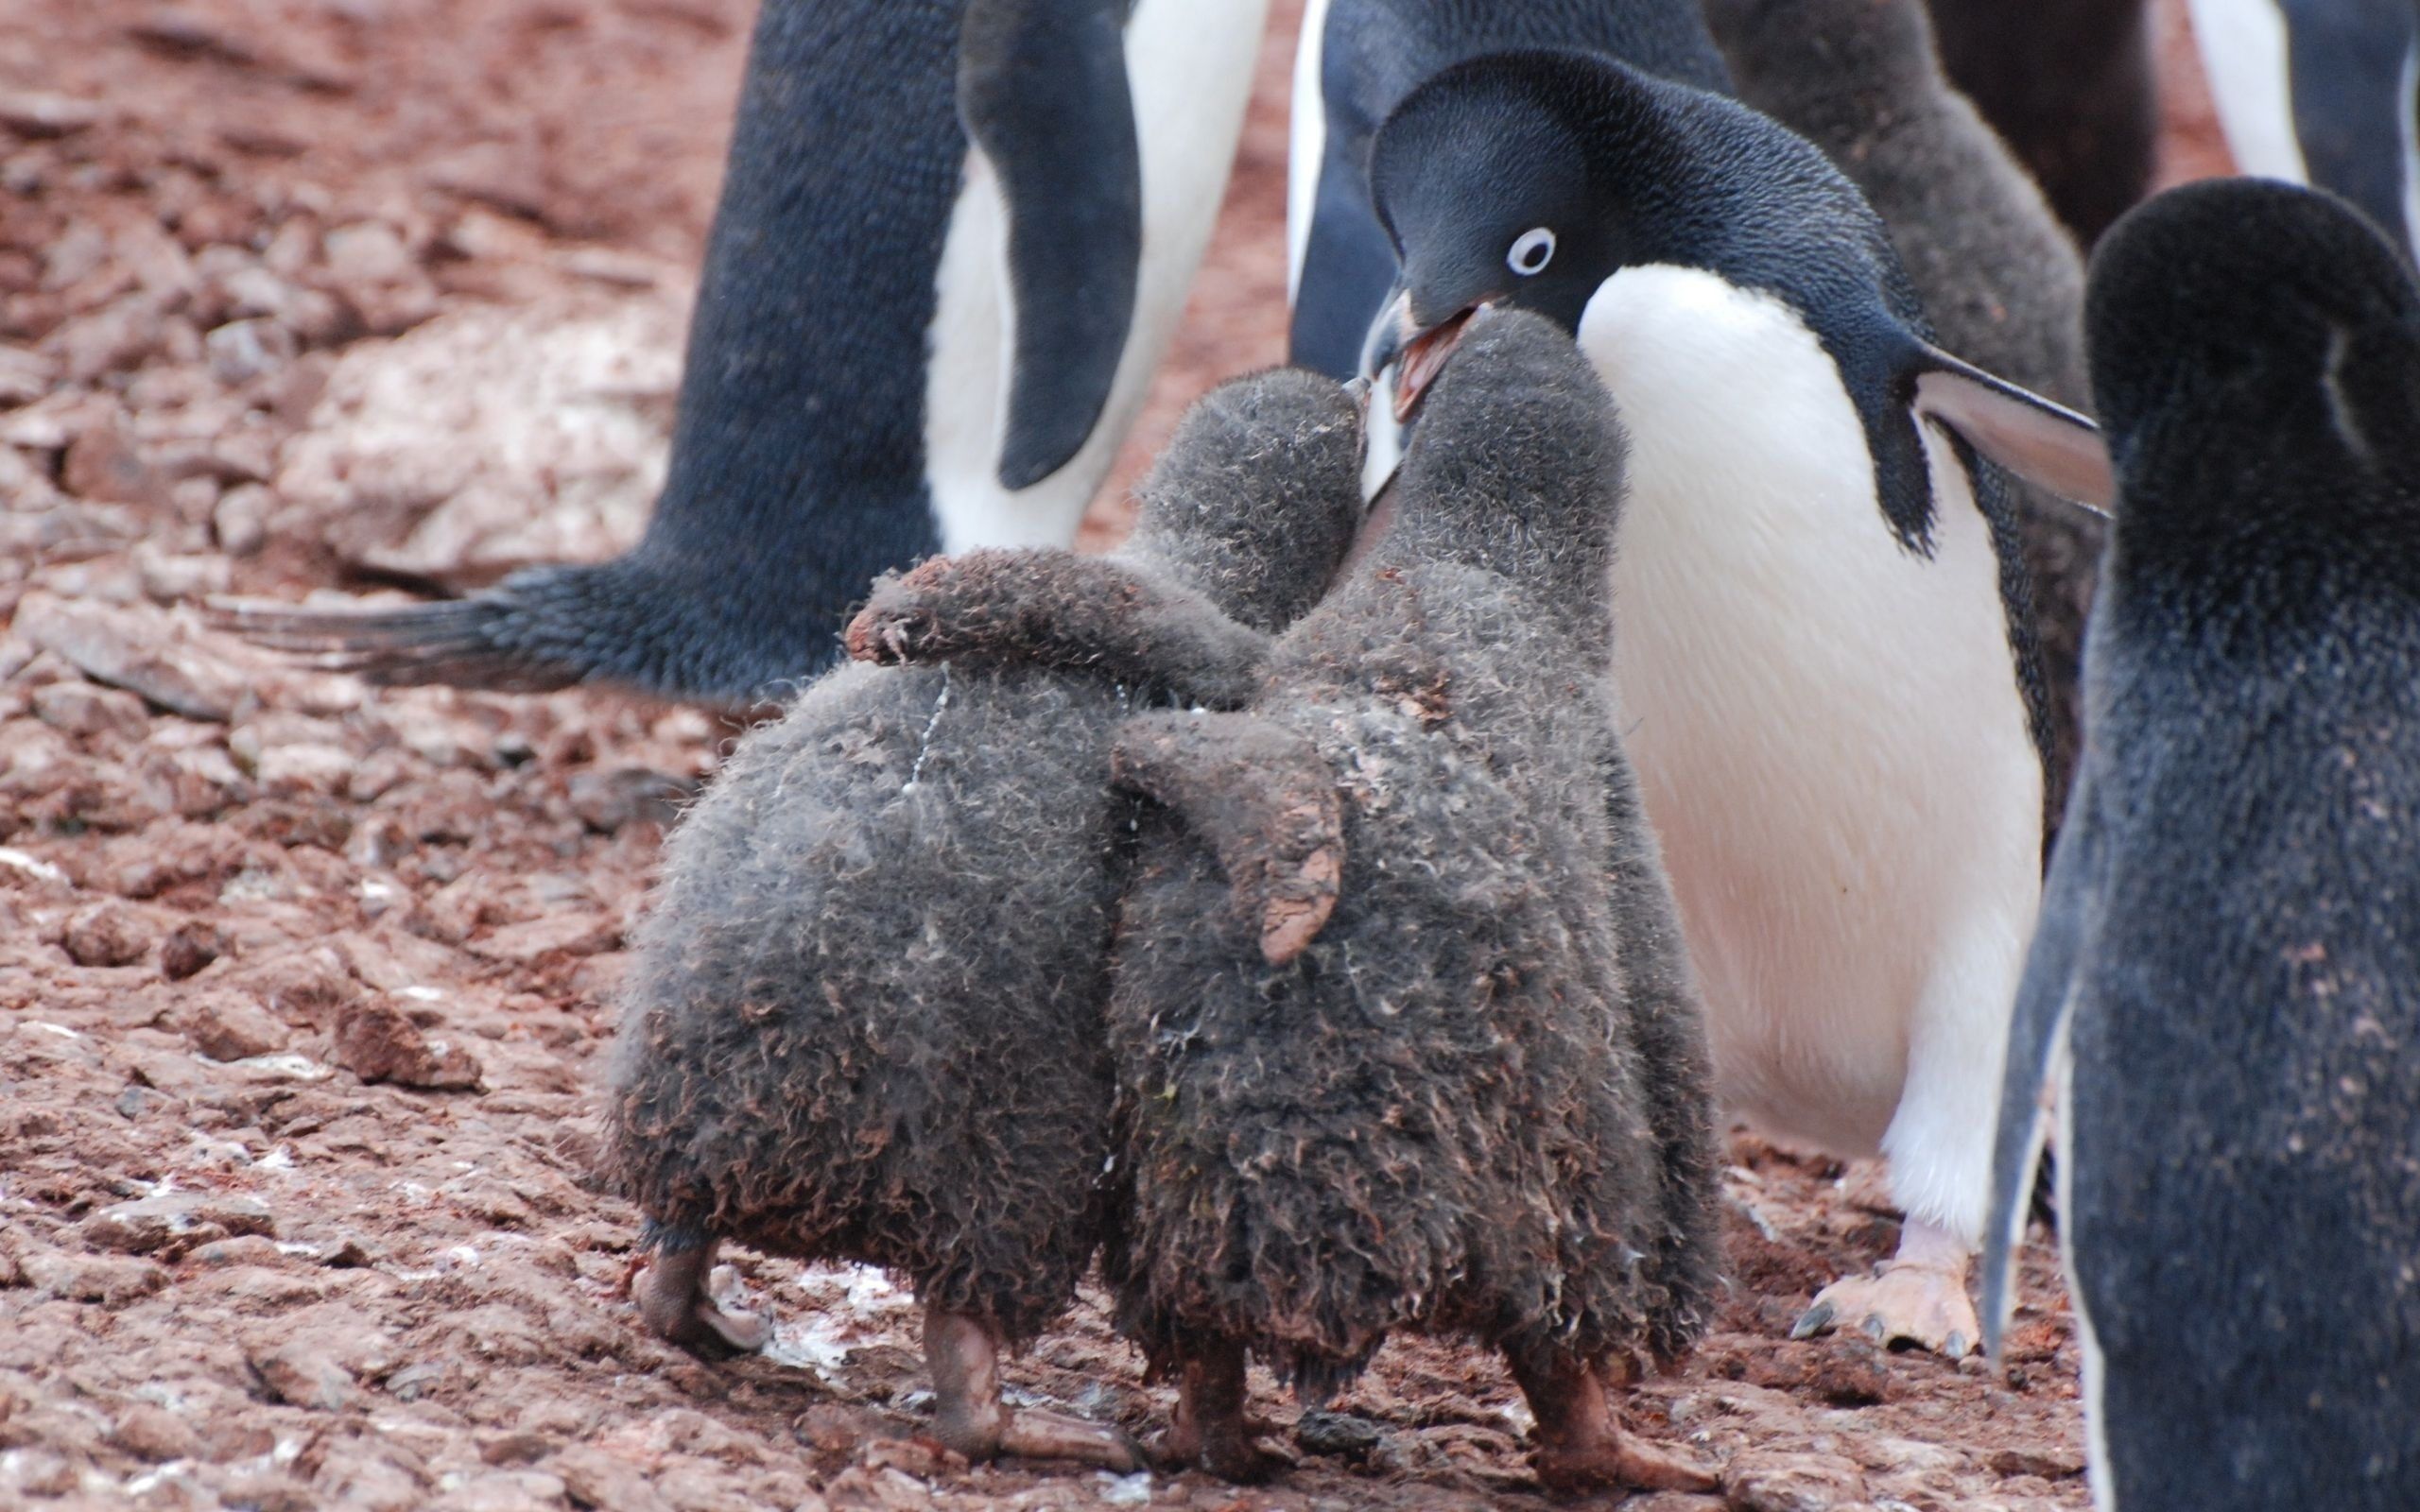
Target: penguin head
1529, 178
2239, 318
1258, 494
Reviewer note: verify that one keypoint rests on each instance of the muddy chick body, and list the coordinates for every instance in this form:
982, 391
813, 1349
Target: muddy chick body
1444, 1117
864, 1020
1998, 274
1460, 1109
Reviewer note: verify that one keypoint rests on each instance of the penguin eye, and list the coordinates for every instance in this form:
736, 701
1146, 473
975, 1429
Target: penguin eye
1531, 251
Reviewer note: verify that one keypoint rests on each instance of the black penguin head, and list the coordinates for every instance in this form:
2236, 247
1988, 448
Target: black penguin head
2242, 320
1485, 188
1527, 179
1258, 494
1601, 167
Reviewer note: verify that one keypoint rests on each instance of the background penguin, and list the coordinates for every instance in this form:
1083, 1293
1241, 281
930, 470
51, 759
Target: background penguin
2227, 978
864, 1016
953, 240
1356, 60
1996, 271
2323, 92
2071, 86
1827, 658
1468, 1106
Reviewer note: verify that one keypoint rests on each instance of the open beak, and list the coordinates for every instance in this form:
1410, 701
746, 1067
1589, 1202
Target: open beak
1420, 353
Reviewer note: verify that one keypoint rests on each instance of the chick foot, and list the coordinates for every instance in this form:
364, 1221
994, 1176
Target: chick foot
675, 1291
964, 1353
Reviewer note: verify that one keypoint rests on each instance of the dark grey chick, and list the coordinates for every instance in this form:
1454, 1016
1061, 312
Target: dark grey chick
1469, 1107
865, 1018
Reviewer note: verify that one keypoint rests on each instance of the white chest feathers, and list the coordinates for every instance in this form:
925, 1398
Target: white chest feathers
1828, 726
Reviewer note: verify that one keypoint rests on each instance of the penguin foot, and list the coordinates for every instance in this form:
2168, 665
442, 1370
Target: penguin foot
964, 1353
1056, 1436
676, 1296
1579, 1447
1211, 1429
1922, 1303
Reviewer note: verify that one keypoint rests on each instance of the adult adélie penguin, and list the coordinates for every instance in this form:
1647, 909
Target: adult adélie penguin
953, 240
2225, 988
1356, 61
1825, 658
2325, 93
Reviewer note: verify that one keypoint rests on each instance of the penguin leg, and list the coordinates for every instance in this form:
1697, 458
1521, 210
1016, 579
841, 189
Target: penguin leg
1210, 1428
1263, 800
1053, 608
1917, 1296
964, 1353
674, 1289
1578, 1444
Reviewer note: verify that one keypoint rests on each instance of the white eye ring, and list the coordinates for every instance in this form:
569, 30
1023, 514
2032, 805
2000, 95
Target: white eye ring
1531, 251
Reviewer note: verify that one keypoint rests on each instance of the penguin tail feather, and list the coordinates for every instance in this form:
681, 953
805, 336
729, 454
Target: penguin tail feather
465, 643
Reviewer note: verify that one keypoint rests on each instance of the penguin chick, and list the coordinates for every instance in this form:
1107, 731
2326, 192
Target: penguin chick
1456, 1111
1444, 1116
1827, 663
864, 1018
2070, 85
2226, 983
1998, 274
955, 237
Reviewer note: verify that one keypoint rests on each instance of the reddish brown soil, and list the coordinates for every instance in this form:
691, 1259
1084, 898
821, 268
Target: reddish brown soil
302, 985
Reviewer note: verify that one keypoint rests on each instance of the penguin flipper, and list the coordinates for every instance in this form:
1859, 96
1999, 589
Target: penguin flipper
1262, 799
2044, 443
1047, 607
2070, 900
1041, 89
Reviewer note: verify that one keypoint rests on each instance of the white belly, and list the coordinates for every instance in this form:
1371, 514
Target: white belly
1189, 67
1828, 731
2244, 55
1305, 143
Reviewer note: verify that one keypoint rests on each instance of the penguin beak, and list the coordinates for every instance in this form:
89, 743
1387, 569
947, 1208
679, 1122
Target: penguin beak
1421, 351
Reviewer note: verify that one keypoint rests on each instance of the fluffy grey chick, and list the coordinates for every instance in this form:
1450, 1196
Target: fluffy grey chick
1454, 1112
865, 1017
1996, 272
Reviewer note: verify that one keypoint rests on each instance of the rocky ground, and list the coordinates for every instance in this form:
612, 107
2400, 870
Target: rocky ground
304, 985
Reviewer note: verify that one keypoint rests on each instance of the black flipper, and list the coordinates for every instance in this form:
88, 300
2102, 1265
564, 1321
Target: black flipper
1041, 89
1265, 802
2070, 902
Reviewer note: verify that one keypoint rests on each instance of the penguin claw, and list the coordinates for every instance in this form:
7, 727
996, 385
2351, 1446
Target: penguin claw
1903, 1302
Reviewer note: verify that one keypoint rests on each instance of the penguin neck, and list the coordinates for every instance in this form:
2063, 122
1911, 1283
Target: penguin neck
1556, 561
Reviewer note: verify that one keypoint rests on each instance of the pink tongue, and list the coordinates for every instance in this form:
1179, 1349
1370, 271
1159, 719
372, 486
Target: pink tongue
1422, 362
